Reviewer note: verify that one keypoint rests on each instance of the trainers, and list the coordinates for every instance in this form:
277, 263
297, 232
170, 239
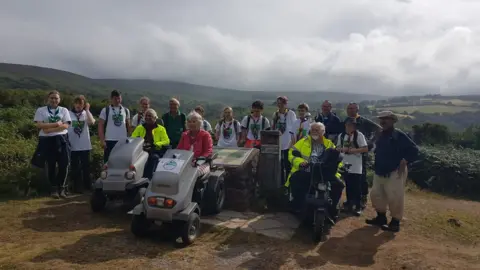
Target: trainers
379, 220
55, 195
393, 226
364, 201
62, 194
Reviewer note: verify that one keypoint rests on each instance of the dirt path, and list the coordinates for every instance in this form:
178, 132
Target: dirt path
439, 233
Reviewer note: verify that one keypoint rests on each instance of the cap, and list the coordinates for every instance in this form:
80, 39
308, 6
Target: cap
387, 114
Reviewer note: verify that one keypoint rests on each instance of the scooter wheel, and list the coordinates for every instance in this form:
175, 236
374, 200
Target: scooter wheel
191, 229
98, 201
140, 225
318, 226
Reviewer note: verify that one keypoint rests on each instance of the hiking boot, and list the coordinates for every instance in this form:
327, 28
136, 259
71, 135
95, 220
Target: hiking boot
364, 201
393, 226
55, 194
379, 220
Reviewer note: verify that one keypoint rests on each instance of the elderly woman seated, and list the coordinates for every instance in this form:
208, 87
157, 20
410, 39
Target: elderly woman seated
156, 139
197, 140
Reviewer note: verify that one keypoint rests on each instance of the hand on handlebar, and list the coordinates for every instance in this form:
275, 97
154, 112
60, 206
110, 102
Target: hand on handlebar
304, 164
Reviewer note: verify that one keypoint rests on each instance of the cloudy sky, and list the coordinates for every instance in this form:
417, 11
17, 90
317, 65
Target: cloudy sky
388, 46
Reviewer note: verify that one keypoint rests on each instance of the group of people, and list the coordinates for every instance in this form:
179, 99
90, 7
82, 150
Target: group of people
65, 141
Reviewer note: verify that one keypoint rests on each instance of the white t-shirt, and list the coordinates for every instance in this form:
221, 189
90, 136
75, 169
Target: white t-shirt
135, 120
303, 127
116, 130
78, 132
46, 115
255, 124
354, 159
207, 125
228, 134
285, 125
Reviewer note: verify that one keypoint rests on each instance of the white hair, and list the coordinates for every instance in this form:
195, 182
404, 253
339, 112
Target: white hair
152, 112
175, 101
142, 99
193, 115
319, 125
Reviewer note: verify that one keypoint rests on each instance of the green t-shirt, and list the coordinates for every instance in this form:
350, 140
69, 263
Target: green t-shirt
175, 125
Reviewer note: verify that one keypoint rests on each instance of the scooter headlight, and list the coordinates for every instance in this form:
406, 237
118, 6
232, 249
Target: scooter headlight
130, 175
103, 175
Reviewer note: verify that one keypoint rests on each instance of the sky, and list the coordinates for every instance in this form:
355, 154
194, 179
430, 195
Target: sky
392, 47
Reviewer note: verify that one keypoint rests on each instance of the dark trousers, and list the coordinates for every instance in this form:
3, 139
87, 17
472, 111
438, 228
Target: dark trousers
286, 167
108, 150
80, 163
152, 163
353, 188
300, 184
363, 179
58, 157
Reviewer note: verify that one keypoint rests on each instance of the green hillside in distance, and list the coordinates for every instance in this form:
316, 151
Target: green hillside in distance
14, 76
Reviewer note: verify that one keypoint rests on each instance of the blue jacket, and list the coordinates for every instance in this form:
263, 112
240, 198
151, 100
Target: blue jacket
333, 125
391, 148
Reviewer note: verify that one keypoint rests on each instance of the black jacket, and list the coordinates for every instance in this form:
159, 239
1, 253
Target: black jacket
50, 145
391, 148
333, 125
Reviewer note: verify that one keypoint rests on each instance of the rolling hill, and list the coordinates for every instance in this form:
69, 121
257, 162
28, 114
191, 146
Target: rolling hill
13, 76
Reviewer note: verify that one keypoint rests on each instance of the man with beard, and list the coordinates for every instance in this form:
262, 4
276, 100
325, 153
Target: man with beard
370, 130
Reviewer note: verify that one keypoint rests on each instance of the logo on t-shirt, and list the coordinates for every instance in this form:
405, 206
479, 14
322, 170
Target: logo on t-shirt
78, 127
227, 132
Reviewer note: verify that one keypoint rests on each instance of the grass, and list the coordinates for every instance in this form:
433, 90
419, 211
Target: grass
45, 234
430, 109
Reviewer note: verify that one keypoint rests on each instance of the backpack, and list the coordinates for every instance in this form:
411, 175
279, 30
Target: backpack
235, 124
263, 121
355, 139
205, 126
165, 122
277, 117
107, 112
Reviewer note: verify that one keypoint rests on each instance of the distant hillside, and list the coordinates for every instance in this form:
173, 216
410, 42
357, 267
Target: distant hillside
13, 76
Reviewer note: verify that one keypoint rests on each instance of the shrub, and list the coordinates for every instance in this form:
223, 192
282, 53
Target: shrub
449, 170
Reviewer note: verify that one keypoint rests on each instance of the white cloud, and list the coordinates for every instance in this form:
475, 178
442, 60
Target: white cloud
392, 47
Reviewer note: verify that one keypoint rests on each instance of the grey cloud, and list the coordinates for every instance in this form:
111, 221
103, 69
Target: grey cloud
361, 46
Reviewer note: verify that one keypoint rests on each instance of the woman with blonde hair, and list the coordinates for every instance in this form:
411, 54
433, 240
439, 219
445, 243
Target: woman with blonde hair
228, 130
53, 147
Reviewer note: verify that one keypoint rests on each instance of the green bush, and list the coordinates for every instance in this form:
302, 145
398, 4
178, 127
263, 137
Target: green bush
450, 170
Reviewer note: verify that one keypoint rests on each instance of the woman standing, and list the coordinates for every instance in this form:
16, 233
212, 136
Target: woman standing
228, 130
53, 121
79, 137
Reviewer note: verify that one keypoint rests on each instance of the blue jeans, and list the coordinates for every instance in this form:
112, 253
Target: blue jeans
152, 163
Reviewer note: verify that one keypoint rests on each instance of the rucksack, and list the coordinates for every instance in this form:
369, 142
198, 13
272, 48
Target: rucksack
277, 117
165, 122
205, 126
235, 124
107, 112
263, 121
355, 139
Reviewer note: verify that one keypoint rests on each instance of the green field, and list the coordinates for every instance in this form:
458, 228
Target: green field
430, 109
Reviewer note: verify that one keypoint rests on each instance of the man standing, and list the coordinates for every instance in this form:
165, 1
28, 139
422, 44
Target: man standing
393, 151
331, 121
283, 121
139, 118
114, 124
175, 122
370, 130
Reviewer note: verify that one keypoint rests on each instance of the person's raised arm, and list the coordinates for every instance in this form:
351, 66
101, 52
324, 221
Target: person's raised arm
217, 131
90, 119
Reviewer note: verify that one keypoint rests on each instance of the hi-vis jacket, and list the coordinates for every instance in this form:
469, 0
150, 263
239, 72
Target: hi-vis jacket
160, 137
304, 145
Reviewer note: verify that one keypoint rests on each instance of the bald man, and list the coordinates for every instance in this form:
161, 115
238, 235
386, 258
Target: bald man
333, 125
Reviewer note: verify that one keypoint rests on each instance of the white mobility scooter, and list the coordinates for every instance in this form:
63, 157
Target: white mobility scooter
177, 196
122, 176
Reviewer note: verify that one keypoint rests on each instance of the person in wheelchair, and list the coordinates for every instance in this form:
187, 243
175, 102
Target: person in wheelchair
197, 140
314, 148
156, 141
